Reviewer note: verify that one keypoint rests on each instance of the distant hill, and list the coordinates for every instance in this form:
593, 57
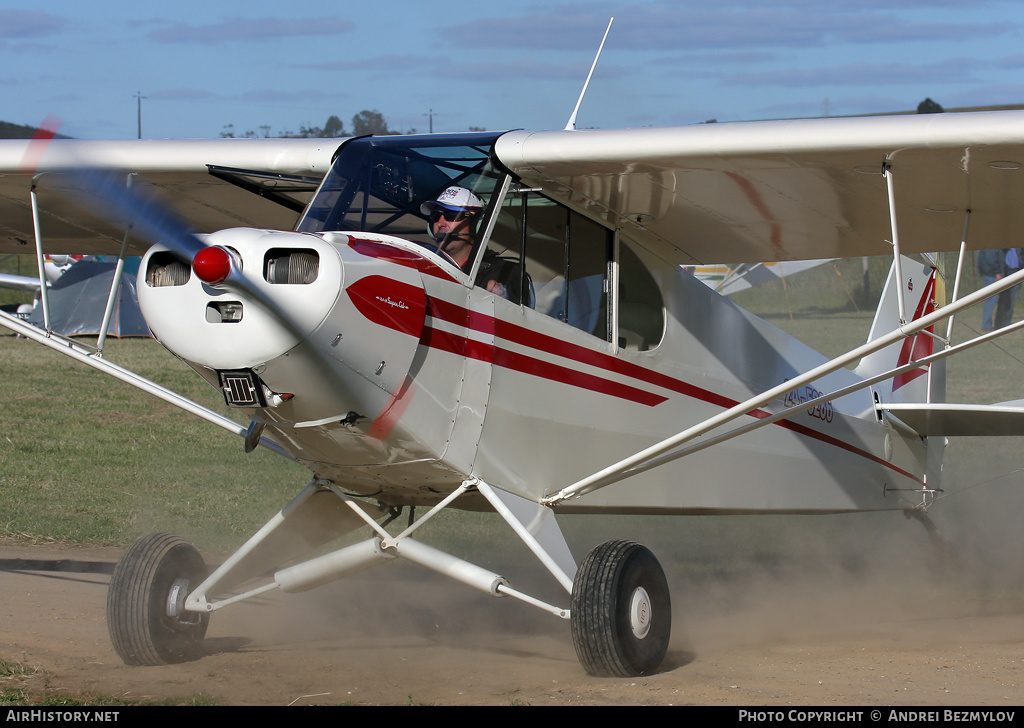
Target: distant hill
19, 131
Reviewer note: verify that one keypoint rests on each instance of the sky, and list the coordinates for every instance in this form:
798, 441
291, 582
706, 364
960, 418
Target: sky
206, 68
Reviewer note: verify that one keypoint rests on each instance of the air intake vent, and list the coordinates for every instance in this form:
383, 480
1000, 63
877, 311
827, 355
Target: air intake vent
242, 388
166, 270
292, 267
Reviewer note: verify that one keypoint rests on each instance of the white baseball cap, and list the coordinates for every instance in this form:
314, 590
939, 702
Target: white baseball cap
454, 198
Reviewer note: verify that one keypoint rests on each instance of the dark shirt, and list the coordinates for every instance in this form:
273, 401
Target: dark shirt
992, 263
506, 271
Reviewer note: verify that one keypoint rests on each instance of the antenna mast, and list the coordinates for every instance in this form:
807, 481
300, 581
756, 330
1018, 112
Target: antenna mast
140, 97
571, 124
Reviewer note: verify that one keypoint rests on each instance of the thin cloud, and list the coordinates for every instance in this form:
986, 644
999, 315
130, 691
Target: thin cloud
183, 94
26, 24
275, 96
254, 96
440, 67
248, 29
859, 74
1011, 62
525, 69
548, 31
381, 63
683, 27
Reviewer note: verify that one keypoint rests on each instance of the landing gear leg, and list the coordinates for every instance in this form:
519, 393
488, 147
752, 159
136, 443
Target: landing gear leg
146, 617
621, 611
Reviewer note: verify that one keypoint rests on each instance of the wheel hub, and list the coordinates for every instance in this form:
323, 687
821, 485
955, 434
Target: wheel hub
640, 613
180, 618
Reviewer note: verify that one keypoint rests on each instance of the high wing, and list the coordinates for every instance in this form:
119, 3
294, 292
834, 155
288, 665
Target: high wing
212, 184
789, 190
724, 193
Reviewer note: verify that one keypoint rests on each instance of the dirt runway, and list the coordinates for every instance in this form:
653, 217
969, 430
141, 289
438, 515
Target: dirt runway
399, 637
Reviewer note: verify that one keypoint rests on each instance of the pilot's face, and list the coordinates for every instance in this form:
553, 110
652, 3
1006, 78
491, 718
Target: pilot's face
448, 222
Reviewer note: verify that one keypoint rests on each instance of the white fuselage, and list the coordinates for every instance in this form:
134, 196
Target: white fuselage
411, 380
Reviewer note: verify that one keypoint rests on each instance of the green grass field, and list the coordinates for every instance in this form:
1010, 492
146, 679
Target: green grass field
87, 459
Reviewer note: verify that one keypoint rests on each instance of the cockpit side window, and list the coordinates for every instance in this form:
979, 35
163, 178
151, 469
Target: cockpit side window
564, 259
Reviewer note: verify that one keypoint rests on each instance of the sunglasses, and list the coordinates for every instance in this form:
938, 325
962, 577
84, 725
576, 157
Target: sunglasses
449, 215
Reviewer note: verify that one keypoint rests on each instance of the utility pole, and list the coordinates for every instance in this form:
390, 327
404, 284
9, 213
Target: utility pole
140, 97
431, 117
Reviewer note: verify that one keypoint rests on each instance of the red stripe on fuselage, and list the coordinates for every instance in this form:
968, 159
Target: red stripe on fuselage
486, 352
549, 344
399, 256
453, 313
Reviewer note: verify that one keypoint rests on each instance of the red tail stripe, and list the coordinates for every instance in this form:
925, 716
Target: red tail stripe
920, 344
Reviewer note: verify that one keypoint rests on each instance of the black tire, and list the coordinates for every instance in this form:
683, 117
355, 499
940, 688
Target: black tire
602, 605
142, 631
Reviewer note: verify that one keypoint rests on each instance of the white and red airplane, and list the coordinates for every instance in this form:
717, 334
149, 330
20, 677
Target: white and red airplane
542, 350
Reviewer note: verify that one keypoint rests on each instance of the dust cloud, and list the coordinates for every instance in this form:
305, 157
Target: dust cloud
736, 581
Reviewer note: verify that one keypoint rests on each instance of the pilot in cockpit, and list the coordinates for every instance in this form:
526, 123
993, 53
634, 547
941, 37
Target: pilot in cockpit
453, 219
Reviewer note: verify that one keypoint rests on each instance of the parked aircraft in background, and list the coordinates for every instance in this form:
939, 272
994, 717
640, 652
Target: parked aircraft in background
726, 279
54, 267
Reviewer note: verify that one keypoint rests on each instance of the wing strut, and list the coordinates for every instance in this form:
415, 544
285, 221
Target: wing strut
615, 472
79, 353
115, 284
959, 271
887, 172
812, 403
44, 299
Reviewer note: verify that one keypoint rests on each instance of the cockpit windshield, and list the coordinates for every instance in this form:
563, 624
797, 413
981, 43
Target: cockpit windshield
516, 242
377, 184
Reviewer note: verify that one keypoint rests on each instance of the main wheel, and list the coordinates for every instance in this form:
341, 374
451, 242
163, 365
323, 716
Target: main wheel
145, 603
621, 611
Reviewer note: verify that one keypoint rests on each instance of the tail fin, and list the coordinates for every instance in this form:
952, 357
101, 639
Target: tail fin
921, 288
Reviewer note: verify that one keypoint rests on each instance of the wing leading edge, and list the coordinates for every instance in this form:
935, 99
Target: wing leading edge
789, 190
179, 170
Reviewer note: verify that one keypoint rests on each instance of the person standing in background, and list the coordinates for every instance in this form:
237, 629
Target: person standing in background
993, 265
1013, 261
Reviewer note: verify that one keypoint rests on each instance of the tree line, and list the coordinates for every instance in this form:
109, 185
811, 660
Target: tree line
365, 122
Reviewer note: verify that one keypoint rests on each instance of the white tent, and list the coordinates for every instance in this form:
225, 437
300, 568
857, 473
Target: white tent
79, 297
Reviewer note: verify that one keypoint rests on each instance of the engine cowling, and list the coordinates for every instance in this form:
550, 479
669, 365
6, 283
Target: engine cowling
354, 321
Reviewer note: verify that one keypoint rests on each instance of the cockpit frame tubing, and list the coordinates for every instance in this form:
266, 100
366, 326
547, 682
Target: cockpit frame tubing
492, 219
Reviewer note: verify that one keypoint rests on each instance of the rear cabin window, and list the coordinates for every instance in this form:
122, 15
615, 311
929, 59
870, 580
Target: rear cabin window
640, 306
